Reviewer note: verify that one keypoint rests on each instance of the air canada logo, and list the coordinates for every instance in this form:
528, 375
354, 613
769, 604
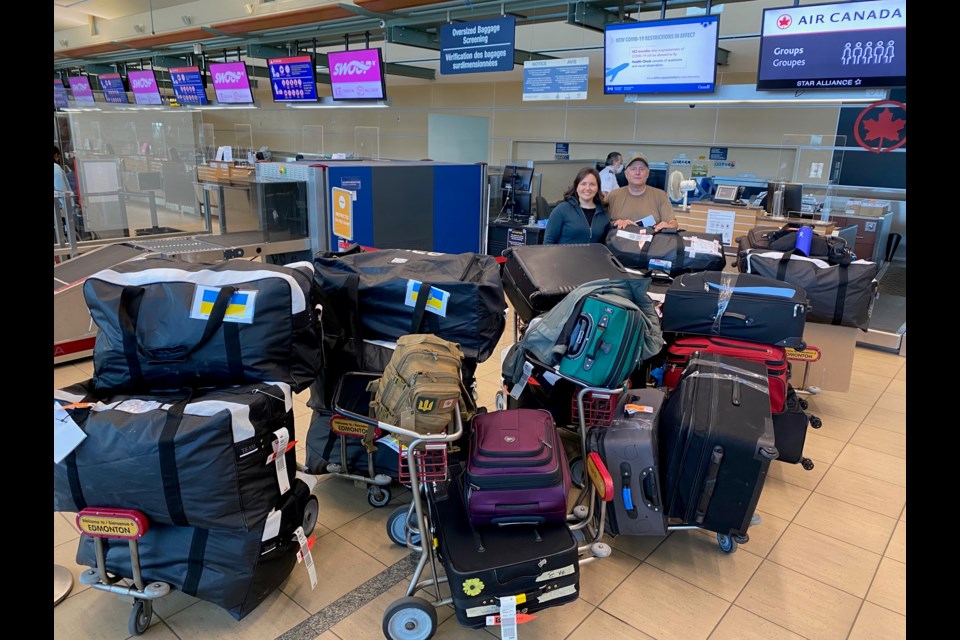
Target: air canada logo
352, 68
784, 21
882, 126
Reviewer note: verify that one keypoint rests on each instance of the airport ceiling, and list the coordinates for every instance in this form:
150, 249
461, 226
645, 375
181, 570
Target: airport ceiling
408, 30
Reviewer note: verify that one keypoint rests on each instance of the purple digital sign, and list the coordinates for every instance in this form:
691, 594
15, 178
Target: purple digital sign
230, 83
80, 86
357, 75
144, 87
59, 94
188, 85
113, 91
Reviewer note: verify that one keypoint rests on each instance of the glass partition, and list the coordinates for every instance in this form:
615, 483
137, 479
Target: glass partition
366, 143
814, 161
312, 143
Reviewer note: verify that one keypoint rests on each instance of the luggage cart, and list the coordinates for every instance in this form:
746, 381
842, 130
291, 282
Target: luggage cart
121, 524
424, 465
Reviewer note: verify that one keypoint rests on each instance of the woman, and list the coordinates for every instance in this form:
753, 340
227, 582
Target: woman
580, 218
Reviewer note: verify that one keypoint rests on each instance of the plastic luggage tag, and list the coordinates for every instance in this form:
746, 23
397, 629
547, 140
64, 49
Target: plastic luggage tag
281, 445
304, 556
631, 409
67, 436
508, 618
522, 383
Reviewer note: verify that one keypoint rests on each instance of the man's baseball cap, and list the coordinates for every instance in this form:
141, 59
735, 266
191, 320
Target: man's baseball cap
638, 158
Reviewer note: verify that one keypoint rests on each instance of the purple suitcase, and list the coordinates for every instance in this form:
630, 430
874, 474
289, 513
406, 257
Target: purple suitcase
517, 470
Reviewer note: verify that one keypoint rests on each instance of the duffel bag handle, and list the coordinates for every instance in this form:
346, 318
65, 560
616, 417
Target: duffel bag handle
129, 312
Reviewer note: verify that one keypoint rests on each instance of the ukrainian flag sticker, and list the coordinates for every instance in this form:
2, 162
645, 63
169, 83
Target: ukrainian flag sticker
436, 302
240, 309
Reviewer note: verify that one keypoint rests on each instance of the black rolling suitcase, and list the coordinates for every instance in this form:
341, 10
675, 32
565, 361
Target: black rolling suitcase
537, 277
740, 306
790, 430
716, 443
485, 563
629, 449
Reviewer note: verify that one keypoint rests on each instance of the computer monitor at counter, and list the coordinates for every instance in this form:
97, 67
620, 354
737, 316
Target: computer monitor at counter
516, 178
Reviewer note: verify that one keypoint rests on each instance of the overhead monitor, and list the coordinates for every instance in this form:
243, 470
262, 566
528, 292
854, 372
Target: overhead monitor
113, 90
837, 45
678, 55
143, 84
357, 75
230, 82
60, 100
293, 79
188, 85
80, 87
516, 177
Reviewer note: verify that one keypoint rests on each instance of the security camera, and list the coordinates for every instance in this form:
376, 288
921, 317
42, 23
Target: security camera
692, 106
383, 23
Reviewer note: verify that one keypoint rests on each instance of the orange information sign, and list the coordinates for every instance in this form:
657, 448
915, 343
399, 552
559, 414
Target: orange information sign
342, 201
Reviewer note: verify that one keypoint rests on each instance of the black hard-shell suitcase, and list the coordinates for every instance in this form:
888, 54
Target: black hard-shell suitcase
231, 568
485, 563
790, 430
629, 449
716, 443
736, 305
537, 277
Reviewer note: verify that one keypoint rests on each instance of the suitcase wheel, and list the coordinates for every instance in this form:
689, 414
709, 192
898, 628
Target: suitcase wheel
806, 463
816, 422
409, 618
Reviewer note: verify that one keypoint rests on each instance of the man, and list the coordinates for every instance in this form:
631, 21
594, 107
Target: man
608, 176
638, 200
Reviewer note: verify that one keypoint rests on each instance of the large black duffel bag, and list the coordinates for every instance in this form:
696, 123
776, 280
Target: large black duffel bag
169, 324
199, 459
231, 568
669, 250
841, 294
377, 295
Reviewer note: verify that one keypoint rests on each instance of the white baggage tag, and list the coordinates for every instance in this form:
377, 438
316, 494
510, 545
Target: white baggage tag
518, 388
271, 527
280, 448
67, 436
304, 555
508, 618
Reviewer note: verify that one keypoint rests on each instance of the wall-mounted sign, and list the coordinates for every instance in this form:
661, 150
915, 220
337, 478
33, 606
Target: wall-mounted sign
724, 164
562, 151
475, 47
718, 153
564, 79
681, 162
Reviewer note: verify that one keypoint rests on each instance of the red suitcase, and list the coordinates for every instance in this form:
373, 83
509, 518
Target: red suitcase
775, 358
517, 469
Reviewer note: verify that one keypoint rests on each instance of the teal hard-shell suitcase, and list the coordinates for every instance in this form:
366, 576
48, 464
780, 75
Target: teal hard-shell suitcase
605, 341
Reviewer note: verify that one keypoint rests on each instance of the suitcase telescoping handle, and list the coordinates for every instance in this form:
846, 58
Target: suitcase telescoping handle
709, 485
599, 345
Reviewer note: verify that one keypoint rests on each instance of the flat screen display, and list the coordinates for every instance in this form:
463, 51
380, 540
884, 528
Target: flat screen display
80, 87
113, 90
59, 94
143, 84
844, 44
663, 56
357, 75
516, 177
188, 85
230, 83
293, 79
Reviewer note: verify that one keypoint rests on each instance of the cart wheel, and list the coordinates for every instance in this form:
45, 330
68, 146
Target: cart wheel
816, 422
576, 471
727, 543
409, 618
397, 527
378, 496
501, 401
140, 617
310, 513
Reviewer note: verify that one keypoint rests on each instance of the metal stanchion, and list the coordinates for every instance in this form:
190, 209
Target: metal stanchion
62, 583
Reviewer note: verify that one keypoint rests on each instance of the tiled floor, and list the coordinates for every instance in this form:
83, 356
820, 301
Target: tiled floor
827, 561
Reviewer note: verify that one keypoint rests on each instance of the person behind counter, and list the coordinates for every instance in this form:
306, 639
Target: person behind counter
638, 200
581, 217
610, 173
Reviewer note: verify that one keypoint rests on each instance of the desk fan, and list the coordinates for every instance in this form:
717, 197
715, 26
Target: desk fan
679, 187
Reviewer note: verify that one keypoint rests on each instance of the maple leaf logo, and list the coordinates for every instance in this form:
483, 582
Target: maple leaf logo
784, 22
883, 128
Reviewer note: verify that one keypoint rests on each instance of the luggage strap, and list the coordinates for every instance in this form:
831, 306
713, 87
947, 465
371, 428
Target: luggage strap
198, 548
841, 298
166, 450
129, 311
